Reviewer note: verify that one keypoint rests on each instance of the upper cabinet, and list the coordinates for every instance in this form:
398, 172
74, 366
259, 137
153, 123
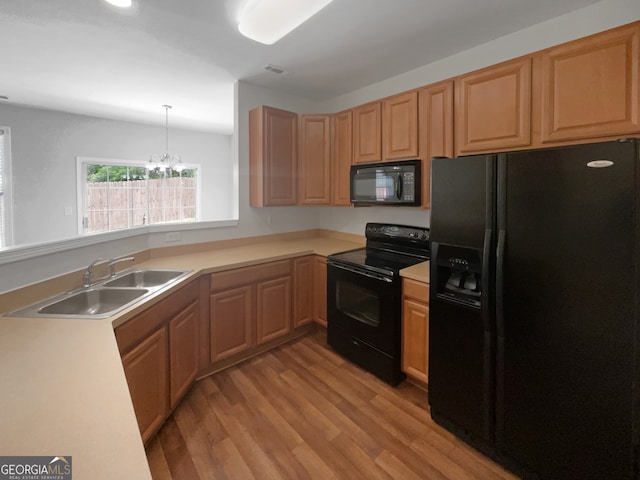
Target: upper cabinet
400, 126
272, 157
436, 129
591, 87
367, 131
314, 165
493, 108
342, 156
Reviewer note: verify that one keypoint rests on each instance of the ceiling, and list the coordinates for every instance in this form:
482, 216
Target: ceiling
88, 57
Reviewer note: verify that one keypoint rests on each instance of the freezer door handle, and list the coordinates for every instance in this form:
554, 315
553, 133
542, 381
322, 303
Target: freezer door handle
500, 283
485, 288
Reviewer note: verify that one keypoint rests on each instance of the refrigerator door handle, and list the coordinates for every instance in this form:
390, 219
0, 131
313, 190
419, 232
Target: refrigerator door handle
485, 295
500, 283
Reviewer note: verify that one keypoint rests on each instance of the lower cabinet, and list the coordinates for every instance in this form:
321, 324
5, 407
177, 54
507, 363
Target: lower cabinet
303, 292
183, 340
273, 309
145, 367
162, 348
320, 287
415, 329
231, 322
249, 306
159, 349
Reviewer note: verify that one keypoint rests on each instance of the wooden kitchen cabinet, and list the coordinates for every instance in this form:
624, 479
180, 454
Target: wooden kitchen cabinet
314, 166
436, 129
591, 86
367, 133
415, 329
159, 349
146, 369
493, 108
231, 327
273, 143
400, 126
320, 286
273, 309
303, 291
183, 348
342, 157
248, 307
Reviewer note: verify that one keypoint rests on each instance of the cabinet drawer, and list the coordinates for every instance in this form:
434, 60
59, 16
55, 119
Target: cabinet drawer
416, 290
243, 276
130, 333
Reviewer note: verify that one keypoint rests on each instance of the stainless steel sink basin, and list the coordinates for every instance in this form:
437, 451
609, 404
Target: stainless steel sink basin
105, 298
101, 301
144, 278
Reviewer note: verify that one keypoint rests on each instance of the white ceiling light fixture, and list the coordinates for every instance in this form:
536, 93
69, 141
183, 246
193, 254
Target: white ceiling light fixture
267, 21
165, 161
120, 3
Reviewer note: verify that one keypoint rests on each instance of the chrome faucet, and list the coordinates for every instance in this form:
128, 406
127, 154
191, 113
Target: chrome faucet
113, 262
87, 278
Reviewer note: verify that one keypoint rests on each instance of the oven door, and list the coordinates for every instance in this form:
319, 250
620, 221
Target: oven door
364, 306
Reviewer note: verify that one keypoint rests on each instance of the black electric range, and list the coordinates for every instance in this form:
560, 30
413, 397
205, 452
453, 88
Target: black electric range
364, 302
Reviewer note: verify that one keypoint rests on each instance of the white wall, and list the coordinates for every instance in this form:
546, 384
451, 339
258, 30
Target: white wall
44, 146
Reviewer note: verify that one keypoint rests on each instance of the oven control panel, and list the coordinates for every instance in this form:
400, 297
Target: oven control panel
401, 233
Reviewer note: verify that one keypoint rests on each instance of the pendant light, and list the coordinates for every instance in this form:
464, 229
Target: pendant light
166, 160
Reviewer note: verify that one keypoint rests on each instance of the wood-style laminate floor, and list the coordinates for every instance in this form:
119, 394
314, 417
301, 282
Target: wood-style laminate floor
303, 412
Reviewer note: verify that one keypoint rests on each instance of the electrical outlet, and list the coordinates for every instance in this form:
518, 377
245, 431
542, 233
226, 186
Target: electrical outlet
172, 237
67, 211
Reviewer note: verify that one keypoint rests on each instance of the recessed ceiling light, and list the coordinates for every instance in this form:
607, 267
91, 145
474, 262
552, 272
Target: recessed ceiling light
120, 3
267, 21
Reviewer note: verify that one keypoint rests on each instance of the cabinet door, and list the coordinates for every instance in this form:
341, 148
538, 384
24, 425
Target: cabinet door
320, 285
415, 329
436, 130
400, 127
273, 144
591, 87
231, 317
145, 367
302, 291
273, 309
493, 108
183, 351
314, 165
342, 157
367, 129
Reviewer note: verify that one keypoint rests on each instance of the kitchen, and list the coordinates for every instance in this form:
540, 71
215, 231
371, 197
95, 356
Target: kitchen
272, 220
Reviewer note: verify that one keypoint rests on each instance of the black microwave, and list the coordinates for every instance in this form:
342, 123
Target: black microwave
387, 183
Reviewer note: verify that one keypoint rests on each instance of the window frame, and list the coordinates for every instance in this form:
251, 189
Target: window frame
81, 190
7, 182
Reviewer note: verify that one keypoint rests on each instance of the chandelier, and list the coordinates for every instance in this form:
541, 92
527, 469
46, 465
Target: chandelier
165, 161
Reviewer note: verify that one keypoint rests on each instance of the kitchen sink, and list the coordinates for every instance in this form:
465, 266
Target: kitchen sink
104, 298
93, 302
144, 278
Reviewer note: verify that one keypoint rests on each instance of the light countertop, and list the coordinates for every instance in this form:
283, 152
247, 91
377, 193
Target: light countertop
64, 389
418, 272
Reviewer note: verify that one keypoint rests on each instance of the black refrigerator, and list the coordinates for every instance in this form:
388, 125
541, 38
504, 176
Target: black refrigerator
533, 335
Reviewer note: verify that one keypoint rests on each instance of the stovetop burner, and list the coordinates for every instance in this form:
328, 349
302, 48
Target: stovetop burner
389, 249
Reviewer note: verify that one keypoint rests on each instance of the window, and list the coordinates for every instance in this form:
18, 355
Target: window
5, 188
118, 194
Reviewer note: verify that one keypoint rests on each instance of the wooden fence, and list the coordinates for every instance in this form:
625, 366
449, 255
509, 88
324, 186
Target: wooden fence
117, 205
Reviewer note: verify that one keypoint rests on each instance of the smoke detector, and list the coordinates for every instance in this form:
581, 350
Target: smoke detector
274, 69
